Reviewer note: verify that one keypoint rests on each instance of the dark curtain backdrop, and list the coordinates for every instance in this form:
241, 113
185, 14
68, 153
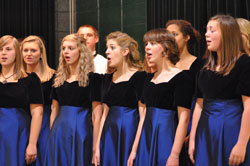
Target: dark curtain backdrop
197, 12
21, 18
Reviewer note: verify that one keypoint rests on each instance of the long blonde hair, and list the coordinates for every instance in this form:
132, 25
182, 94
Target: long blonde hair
245, 29
125, 41
231, 45
85, 63
18, 69
47, 72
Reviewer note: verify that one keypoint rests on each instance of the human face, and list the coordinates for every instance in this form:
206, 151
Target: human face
213, 36
180, 39
7, 54
154, 53
31, 53
71, 52
114, 54
89, 35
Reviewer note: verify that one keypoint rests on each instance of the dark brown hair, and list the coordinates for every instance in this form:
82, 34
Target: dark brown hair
167, 41
187, 29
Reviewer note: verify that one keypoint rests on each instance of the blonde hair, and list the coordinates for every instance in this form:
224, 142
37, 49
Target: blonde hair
245, 29
47, 72
231, 45
85, 63
18, 69
125, 41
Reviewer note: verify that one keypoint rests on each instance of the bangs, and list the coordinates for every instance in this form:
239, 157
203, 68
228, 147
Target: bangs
155, 35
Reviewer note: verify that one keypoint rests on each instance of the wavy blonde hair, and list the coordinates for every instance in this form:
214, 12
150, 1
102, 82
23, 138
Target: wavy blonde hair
245, 30
85, 63
47, 72
18, 69
125, 41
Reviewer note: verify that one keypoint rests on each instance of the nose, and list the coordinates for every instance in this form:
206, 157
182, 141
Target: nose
107, 51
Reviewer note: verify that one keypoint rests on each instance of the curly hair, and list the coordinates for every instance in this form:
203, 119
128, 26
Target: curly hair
167, 41
18, 64
47, 72
85, 63
125, 41
187, 29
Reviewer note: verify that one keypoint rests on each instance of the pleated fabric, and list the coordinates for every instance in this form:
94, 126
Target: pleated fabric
70, 139
14, 135
118, 135
218, 131
157, 137
44, 134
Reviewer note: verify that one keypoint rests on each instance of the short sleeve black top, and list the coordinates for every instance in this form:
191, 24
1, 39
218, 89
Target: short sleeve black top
47, 89
195, 68
168, 95
71, 94
21, 94
214, 86
125, 93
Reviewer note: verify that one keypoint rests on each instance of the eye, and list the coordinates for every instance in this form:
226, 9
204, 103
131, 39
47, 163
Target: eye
63, 48
8, 49
112, 47
33, 50
175, 34
90, 35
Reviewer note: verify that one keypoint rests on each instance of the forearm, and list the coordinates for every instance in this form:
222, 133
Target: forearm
244, 129
142, 113
96, 119
180, 135
35, 126
196, 118
104, 116
54, 112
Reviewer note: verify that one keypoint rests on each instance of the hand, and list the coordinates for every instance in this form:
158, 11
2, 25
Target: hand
131, 159
237, 155
31, 153
191, 150
173, 160
97, 157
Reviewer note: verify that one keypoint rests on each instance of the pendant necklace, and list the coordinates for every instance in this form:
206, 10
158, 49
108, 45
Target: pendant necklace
6, 78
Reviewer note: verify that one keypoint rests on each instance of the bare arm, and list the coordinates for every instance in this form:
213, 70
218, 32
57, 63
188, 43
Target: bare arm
181, 131
54, 112
36, 111
142, 113
96, 119
97, 149
238, 152
196, 117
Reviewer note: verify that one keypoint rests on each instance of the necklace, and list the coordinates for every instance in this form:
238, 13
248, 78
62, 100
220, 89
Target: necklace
6, 78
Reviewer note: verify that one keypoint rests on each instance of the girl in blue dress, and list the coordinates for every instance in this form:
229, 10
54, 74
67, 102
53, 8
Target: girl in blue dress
21, 107
167, 100
76, 107
35, 60
221, 127
121, 98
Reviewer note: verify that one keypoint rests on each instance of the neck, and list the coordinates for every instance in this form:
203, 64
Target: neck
122, 69
8, 70
73, 69
34, 68
184, 53
164, 65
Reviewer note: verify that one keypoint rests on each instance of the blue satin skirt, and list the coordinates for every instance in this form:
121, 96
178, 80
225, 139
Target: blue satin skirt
157, 137
44, 134
14, 135
70, 139
217, 132
118, 136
